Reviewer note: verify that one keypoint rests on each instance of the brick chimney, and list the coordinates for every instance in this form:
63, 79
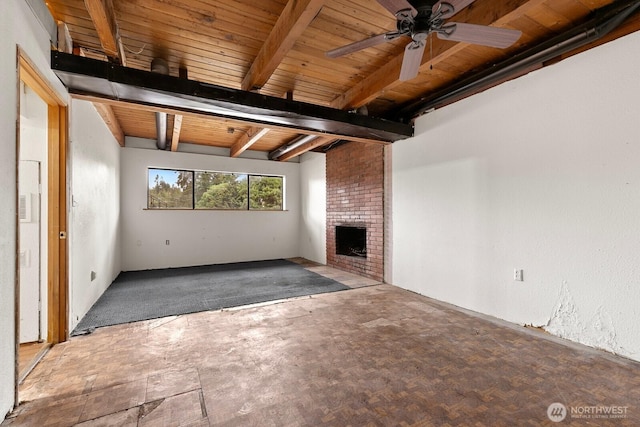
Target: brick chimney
355, 198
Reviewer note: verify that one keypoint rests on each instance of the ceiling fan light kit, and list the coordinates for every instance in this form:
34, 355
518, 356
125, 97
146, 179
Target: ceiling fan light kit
418, 19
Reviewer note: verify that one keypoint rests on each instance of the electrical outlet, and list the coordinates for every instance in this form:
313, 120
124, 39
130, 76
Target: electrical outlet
166, 242
518, 275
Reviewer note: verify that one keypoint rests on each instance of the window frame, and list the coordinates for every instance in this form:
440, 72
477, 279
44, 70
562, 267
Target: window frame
194, 172
236, 174
172, 170
282, 188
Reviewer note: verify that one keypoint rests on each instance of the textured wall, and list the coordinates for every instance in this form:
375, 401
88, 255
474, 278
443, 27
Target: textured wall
94, 220
541, 174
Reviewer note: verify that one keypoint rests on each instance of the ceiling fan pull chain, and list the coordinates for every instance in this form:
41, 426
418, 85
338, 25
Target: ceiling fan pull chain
430, 50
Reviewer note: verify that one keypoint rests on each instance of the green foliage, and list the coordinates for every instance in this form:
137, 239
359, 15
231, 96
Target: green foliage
221, 191
167, 196
265, 192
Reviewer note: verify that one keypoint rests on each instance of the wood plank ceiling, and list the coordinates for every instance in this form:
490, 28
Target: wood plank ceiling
277, 47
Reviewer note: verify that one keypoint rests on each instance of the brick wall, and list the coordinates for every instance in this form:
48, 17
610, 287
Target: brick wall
355, 192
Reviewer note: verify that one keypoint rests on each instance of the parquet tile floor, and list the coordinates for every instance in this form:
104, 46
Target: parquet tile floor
370, 356
28, 355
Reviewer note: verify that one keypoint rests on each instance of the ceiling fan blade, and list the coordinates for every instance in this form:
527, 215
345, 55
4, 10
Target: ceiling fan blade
356, 46
479, 34
447, 6
411, 61
394, 6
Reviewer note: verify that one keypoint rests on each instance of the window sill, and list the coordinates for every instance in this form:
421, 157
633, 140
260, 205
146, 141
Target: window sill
215, 210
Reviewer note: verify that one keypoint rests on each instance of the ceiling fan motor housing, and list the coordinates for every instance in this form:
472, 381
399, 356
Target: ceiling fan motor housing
422, 25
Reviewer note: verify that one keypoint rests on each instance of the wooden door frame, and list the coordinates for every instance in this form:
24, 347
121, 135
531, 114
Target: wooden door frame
57, 128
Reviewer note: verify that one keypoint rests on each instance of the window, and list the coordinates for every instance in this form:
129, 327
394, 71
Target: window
217, 190
170, 189
183, 189
265, 192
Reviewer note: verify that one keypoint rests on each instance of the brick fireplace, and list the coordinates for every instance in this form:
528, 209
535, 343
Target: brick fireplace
355, 208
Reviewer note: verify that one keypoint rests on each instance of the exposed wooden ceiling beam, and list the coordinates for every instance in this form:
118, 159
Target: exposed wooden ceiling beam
293, 20
247, 140
65, 42
169, 110
105, 110
109, 117
104, 19
318, 142
177, 127
177, 119
386, 77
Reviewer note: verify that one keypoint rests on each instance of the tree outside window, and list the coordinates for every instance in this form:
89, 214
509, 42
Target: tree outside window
170, 189
180, 189
265, 192
216, 190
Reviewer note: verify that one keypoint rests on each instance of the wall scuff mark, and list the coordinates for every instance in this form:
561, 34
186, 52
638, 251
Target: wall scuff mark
565, 322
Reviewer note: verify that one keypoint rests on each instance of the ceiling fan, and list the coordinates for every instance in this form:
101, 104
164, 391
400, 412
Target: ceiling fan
417, 19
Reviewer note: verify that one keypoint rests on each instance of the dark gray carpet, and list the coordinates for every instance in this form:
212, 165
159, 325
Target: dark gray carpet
150, 294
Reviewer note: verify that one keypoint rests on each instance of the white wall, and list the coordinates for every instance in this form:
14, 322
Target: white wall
200, 237
313, 199
542, 174
18, 27
94, 220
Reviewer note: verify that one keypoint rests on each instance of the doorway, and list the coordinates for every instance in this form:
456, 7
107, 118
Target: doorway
41, 267
32, 269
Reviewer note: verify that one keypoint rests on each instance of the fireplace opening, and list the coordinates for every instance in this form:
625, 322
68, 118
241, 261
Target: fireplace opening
351, 241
